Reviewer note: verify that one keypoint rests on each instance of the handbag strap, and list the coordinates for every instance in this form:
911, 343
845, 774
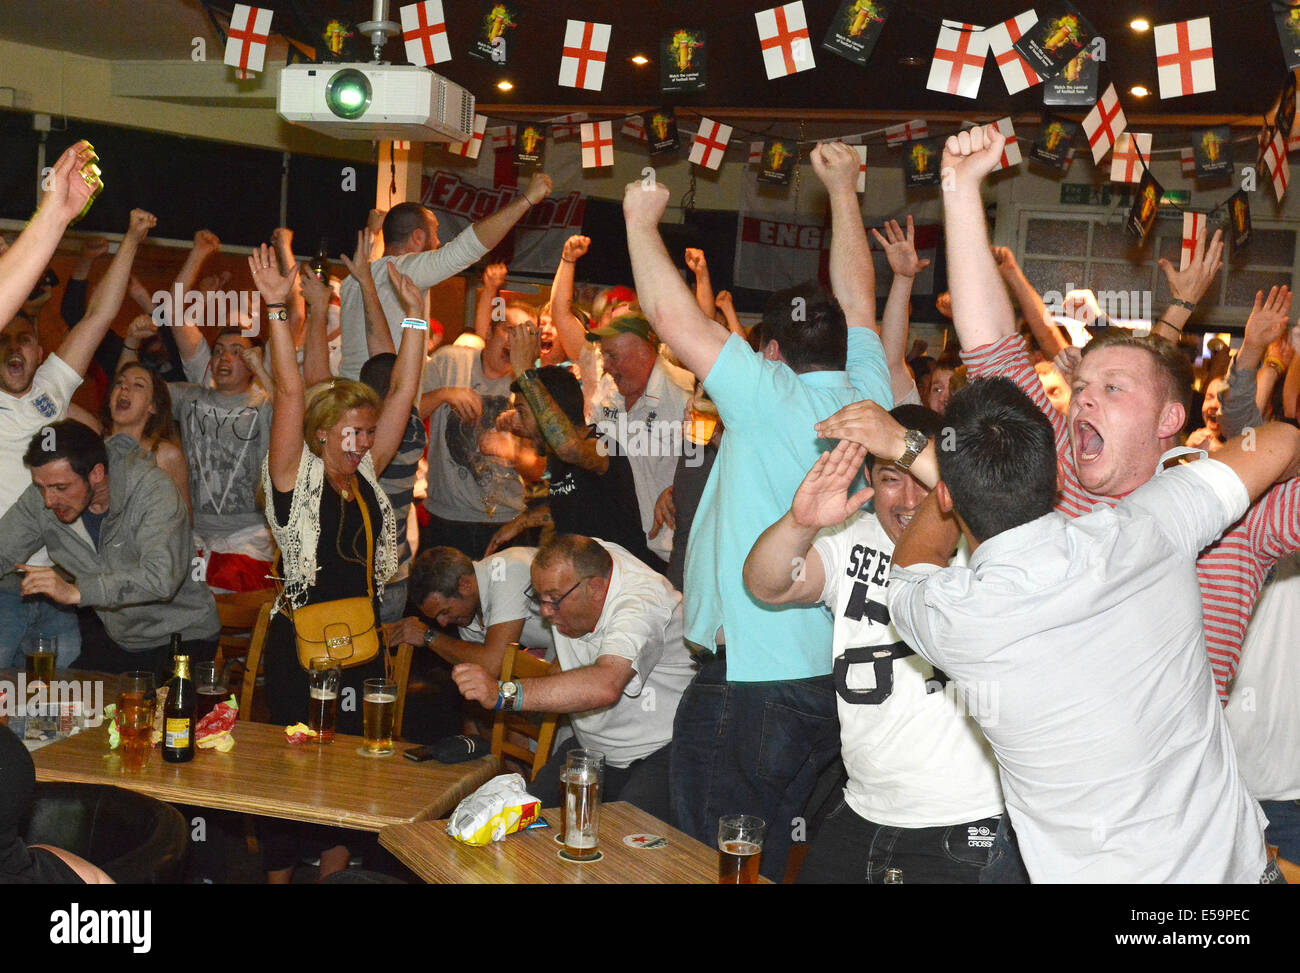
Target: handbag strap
370, 541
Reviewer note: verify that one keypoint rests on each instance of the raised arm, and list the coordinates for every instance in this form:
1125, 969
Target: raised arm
853, 275
71, 181
981, 310
282, 244
555, 427
1188, 286
405, 384
379, 339
572, 334
1263, 456
694, 337
783, 567
724, 303
697, 265
492, 229
900, 251
78, 347
1050, 340
286, 416
315, 341
1267, 324
494, 277
188, 336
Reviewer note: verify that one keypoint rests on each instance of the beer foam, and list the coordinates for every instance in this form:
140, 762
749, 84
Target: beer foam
380, 698
324, 694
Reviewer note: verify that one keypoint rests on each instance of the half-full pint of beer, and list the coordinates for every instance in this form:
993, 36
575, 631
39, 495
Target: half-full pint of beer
738, 862
378, 707
581, 815
323, 712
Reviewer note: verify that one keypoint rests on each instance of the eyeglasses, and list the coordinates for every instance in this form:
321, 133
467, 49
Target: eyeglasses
552, 603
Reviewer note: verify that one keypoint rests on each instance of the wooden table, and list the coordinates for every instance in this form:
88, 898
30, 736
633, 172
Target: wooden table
328, 784
529, 857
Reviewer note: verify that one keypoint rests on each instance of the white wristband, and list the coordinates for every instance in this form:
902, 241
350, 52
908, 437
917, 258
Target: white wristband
419, 324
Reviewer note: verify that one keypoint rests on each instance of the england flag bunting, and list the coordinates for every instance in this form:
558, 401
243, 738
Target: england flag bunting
710, 143
424, 31
582, 62
1132, 149
1275, 159
1193, 232
1016, 71
1187, 156
783, 39
597, 144
566, 126
959, 58
504, 137
1184, 58
250, 29
634, 128
755, 153
471, 147
896, 135
1104, 124
1011, 151
861, 150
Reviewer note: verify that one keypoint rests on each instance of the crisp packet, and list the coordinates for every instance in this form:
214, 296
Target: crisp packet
500, 807
213, 731
299, 733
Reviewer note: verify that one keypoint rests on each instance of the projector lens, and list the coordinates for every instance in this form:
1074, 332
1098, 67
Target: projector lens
348, 94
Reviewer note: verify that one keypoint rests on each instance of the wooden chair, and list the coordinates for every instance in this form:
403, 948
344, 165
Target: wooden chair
253, 660
397, 667
519, 663
239, 612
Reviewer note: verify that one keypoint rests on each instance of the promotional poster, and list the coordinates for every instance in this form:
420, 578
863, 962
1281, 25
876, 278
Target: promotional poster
1061, 35
682, 64
855, 28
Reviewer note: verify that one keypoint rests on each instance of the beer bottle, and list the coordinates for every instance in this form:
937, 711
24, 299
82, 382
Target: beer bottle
178, 712
320, 263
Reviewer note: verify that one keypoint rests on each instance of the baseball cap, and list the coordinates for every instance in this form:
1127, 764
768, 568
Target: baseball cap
626, 324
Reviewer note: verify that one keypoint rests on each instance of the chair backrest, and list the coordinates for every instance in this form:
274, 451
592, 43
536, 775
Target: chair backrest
238, 612
397, 667
253, 662
519, 664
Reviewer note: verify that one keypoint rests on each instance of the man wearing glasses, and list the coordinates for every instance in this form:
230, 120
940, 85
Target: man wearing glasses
617, 627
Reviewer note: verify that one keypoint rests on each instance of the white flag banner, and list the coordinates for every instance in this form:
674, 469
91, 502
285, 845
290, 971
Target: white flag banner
424, 31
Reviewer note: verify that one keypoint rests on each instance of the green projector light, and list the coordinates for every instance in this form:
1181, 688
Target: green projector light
348, 94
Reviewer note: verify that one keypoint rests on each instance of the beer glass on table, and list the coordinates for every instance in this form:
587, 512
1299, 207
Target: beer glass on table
584, 771
208, 688
378, 707
322, 707
135, 706
740, 847
40, 661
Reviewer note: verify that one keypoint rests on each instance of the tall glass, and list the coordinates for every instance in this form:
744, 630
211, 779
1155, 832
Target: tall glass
378, 707
583, 773
40, 661
740, 848
323, 680
209, 688
135, 706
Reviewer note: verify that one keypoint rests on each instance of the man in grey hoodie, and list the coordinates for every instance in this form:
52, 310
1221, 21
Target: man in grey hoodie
119, 535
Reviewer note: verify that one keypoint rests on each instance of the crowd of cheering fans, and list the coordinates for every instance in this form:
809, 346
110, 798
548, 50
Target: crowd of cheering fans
1012, 611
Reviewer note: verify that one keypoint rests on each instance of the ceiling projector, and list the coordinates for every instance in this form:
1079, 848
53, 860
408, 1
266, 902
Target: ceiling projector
378, 102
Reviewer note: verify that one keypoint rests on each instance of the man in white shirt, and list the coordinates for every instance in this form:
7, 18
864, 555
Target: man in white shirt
618, 638
411, 240
922, 796
1115, 759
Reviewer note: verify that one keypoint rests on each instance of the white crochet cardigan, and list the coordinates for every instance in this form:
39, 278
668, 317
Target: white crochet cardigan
299, 536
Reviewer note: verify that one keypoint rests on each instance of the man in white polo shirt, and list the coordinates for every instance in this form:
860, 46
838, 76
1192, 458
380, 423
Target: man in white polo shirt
1115, 759
618, 638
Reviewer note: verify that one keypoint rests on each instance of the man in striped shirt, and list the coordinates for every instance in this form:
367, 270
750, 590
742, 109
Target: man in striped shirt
1115, 437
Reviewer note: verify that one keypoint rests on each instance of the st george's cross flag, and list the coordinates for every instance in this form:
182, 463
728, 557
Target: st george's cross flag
597, 144
424, 31
1104, 124
1184, 58
896, 135
1011, 151
1132, 149
471, 147
1276, 160
959, 57
783, 39
1193, 232
1016, 71
250, 29
709, 144
582, 61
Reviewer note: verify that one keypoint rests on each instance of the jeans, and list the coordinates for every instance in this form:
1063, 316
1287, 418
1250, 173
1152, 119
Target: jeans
643, 783
751, 748
110, 657
392, 604
1283, 828
849, 849
22, 620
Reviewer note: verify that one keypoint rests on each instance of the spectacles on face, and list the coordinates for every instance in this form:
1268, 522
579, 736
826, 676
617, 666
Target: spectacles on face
552, 603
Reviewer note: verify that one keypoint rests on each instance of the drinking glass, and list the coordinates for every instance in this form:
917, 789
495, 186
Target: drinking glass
584, 771
323, 680
378, 707
135, 706
740, 848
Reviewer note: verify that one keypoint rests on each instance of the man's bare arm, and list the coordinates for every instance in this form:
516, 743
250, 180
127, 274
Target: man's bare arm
852, 273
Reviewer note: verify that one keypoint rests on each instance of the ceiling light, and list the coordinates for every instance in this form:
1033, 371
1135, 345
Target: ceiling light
504, 85
1139, 91
640, 60
1140, 24
911, 62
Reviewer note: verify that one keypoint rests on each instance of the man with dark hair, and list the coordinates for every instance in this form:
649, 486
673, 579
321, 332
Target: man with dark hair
486, 600
116, 524
618, 638
922, 795
803, 326
411, 241
1129, 405
1115, 758
773, 683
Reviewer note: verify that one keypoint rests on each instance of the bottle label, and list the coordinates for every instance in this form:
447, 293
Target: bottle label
177, 733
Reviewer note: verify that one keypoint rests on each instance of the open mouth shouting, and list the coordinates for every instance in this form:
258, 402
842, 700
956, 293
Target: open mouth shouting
1088, 442
16, 367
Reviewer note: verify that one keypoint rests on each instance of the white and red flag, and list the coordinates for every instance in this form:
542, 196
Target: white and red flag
504, 137
1193, 232
783, 39
896, 135
1275, 159
710, 143
1104, 124
1016, 71
1011, 151
250, 29
471, 147
1132, 151
1187, 156
582, 62
597, 144
424, 31
755, 153
566, 126
1184, 58
861, 150
959, 57
634, 128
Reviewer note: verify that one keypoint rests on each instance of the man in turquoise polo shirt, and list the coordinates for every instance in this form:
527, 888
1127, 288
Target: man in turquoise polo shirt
758, 726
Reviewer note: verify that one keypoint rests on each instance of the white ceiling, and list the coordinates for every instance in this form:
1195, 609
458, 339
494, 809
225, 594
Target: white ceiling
111, 29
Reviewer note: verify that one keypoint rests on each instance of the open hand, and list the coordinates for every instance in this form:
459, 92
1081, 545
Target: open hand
900, 248
822, 499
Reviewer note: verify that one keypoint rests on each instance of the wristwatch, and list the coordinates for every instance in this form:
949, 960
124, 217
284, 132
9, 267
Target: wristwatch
430, 634
913, 445
508, 693
276, 312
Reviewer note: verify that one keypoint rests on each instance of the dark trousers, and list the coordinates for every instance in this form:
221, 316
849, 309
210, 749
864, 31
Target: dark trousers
466, 536
643, 783
849, 849
751, 748
108, 656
